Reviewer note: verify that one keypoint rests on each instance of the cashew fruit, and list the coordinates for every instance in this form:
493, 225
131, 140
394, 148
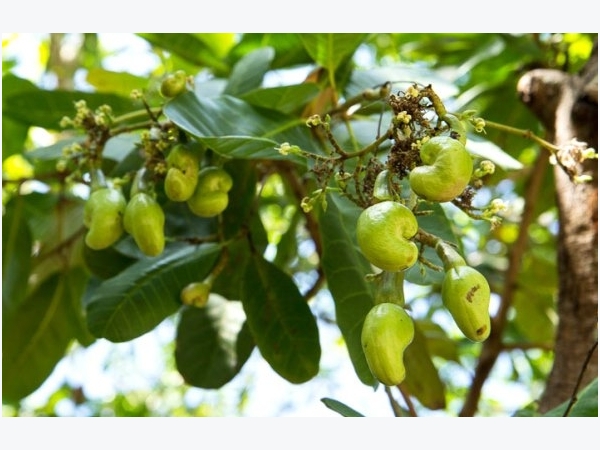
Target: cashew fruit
145, 220
383, 232
103, 216
182, 173
446, 170
173, 84
211, 197
196, 294
466, 295
386, 332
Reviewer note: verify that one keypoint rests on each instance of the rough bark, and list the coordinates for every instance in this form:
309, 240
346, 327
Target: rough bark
567, 106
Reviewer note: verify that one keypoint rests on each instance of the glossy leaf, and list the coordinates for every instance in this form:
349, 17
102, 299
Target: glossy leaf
289, 51
14, 135
46, 108
233, 128
249, 71
285, 99
143, 295
586, 404
189, 47
14, 132
422, 379
208, 350
340, 408
345, 269
16, 255
38, 334
106, 263
281, 321
438, 341
485, 149
122, 83
329, 50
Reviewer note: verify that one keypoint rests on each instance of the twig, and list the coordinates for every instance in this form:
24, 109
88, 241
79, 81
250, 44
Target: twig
393, 403
576, 388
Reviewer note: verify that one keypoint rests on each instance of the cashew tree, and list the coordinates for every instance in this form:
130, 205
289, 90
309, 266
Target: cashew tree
439, 199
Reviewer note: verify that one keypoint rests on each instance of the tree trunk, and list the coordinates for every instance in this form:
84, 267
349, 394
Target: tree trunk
567, 106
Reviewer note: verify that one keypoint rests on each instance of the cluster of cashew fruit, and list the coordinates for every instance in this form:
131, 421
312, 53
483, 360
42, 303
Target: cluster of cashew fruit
386, 232
108, 215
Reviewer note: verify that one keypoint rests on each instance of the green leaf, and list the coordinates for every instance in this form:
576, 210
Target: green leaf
285, 99
249, 71
121, 83
52, 152
14, 135
289, 51
209, 350
329, 50
52, 216
38, 334
235, 129
485, 149
422, 378
46, 108
188, 47
106, 263
534, 303
281, 321
586, 404
16, 254
340, 408
143, 295
345, 269
75, 310
116, 148
438, 341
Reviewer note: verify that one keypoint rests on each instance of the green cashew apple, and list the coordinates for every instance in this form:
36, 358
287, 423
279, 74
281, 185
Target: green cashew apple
383, 232
173, 84
182, 173
103, 217
387, 331
446, 170
466, 295
196, 294
211, 195
145, 220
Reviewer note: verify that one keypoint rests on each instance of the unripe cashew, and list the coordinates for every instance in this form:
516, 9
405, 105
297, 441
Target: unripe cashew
173, 84
383, 231
466, 295
145, 220
103, 216
446, 170
182, 174
196, 294
211, 197
386, 332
